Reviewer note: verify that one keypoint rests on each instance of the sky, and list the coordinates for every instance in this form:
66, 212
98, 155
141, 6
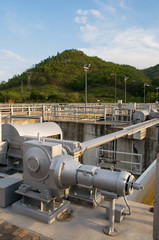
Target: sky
119, 31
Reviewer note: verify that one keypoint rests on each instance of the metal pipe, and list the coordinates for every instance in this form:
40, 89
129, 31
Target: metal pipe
82, 147
113, 136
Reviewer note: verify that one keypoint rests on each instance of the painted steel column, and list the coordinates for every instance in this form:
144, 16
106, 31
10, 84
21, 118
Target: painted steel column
156, 204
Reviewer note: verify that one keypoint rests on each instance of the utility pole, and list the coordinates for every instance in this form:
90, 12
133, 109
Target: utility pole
22, 88
86, 68
28, 80
114, 74
157, 94
125, 79
145, 85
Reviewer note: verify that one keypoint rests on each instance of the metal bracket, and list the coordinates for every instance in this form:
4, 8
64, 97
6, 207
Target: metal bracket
111, 230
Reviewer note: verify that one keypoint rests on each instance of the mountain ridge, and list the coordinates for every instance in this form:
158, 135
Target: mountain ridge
56, 80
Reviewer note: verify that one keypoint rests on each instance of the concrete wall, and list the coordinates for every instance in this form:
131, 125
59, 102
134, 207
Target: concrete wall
83, 132
86, 131
151, 145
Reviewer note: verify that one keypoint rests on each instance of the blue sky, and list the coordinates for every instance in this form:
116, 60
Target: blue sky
120, 31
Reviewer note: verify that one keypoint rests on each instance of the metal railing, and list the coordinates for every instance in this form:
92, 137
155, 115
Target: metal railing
132, 162
109, 112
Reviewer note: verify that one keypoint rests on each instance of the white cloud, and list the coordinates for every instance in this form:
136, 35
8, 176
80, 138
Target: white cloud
81, 19
12, 63
134, 46
88, 32
84, 13
6, 55
95, 13
136, 37
150, 42
88, 28
2, 74
113, 41
138, 58
106, 7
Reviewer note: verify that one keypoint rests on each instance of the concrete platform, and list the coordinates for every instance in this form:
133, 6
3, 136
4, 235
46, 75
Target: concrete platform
86, 223
12, 232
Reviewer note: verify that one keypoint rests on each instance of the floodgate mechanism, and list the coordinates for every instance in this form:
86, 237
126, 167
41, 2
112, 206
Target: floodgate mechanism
51, 167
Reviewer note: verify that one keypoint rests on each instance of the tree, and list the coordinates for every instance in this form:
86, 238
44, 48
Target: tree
36, 96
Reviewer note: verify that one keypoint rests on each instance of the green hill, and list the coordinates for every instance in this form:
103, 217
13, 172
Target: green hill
55, 80
153, 74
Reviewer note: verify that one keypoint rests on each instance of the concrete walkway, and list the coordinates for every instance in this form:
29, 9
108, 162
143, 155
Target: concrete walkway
13, 232
85, 223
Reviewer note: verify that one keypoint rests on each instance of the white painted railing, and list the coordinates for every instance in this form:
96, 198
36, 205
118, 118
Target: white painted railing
108, 112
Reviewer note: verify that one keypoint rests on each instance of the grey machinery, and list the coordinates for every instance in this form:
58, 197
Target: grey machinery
48, 173
143, 115
14, 135
51, 166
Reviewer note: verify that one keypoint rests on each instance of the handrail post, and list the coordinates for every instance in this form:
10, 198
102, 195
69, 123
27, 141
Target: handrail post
43, 111
29, 111
11, 110
156, 204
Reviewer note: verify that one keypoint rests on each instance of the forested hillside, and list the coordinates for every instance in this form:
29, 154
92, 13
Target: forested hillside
57, 80
153, 74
